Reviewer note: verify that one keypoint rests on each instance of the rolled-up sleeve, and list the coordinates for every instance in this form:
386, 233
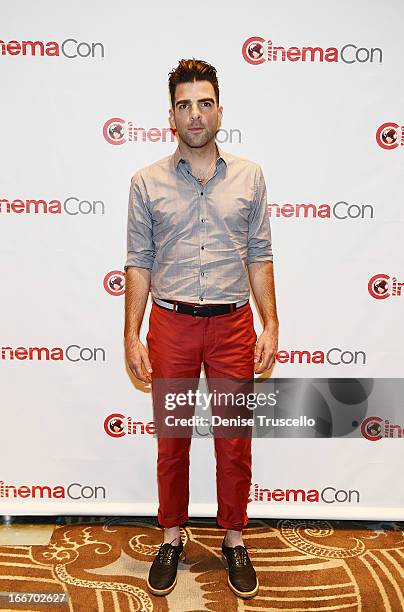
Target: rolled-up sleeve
140, 245
259, 246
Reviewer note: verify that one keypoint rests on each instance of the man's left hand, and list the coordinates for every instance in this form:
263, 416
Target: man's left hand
266, 348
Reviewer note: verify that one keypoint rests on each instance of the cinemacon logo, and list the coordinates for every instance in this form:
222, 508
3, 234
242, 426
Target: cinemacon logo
374, 428
70, 48
70, 206
118, 131
327, 495
75, 490
390, 135
383, 286
73, 352
341, 210
118, 425
257, 50
334, 356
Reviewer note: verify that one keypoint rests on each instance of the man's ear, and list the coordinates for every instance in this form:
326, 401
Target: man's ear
219, 115
171, 118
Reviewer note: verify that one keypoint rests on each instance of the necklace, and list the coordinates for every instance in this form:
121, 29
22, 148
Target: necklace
202, 179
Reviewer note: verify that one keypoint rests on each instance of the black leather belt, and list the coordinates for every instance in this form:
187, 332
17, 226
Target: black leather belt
210, 310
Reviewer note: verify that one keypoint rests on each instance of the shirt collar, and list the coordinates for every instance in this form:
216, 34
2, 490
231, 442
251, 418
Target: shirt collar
177, 156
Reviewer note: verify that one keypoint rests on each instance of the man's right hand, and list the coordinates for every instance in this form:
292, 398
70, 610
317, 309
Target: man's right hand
137, 357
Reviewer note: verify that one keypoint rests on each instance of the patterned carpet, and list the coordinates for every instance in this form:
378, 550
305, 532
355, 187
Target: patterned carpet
102, 563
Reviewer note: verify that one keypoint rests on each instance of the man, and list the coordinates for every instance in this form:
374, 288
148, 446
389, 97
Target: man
197, 223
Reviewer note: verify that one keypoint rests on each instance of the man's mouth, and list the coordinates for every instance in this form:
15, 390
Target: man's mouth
196, 129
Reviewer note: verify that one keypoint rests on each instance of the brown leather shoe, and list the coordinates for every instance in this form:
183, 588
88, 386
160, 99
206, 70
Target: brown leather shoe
242, 578
163, 571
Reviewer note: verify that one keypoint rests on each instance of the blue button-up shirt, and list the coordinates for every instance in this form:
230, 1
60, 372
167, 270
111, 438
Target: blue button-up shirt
197, 240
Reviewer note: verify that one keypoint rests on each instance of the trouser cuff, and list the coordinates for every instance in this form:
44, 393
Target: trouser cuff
234, 526
172, 522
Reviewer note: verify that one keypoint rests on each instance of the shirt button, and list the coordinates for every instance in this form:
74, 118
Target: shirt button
201, 299
202, 273
202, 247
201, 192
203, 220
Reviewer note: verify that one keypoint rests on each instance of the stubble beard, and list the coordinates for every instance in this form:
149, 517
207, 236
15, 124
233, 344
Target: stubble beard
198, 140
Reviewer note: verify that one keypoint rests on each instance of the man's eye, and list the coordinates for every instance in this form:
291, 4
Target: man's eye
208, 103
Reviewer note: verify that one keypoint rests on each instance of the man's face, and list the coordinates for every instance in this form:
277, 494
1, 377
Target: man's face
195, 116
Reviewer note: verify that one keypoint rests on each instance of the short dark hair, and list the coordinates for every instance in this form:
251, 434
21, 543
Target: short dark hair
189, 70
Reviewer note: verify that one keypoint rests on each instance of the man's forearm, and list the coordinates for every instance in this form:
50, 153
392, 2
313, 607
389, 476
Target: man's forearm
137, 286
262, 284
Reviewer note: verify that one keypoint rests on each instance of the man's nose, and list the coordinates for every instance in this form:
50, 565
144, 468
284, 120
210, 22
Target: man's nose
195, 111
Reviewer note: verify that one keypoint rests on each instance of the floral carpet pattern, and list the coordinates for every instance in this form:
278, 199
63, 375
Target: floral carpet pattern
302, 565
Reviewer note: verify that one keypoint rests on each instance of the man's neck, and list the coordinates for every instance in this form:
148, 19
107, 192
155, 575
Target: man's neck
199, 157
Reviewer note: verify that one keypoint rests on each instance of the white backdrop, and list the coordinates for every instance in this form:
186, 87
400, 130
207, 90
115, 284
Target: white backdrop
311, 124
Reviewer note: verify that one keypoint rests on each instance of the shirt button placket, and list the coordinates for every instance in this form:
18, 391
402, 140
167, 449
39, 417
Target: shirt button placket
202, 234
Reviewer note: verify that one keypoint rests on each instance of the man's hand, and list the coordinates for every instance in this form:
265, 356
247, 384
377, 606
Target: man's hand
266, 348
137, 284
262, 283
137, 357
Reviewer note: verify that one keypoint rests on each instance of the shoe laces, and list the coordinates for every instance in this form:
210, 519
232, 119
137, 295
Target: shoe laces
166, 552
240, 555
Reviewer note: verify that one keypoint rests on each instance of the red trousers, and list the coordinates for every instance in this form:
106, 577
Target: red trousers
178, 344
